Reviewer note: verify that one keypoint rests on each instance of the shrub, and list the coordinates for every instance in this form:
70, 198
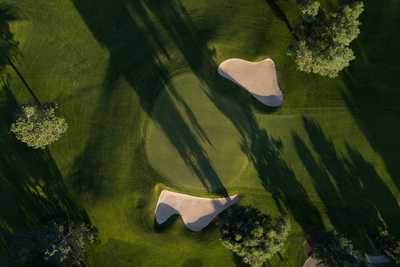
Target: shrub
253, 236
38, 126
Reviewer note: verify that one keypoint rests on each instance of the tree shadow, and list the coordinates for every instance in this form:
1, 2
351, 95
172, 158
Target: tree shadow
281, 15
239, 261
374, 122
278, 178
373, 82
192, 42
358, 202
32, 190
261, 149
136, 51
8, 49
378, 193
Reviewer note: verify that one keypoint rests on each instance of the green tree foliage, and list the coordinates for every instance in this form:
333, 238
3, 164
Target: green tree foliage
335, 250
309, 8
38, 126
389, 245
53, 245
252, 235
323, 39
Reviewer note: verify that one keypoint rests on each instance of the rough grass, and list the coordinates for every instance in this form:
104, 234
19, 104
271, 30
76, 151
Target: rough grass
327, 158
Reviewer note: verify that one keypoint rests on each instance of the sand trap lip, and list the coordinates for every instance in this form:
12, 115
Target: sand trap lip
196, 212
311, 262
259, 78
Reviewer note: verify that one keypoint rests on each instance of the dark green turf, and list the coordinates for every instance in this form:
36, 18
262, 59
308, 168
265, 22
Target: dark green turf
327, 158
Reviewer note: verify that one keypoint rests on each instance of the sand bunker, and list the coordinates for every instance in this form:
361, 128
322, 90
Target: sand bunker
196, 212
259, 78
311, 262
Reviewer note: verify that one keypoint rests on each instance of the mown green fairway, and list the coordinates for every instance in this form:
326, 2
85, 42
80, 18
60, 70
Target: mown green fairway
190, 141
137, 83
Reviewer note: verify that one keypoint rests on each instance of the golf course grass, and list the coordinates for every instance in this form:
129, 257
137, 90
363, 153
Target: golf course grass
138, 85
183, 144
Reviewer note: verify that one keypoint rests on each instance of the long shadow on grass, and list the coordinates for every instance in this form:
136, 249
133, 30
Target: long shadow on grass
373, 81
135, 47
278, 178
264, 151
358, 202
32, 189
279, 13
232, 101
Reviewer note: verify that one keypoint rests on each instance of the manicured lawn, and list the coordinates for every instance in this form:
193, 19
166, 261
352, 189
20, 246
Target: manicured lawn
137, 83
190, 142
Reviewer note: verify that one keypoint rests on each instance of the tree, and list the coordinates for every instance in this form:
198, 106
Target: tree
323, 39
309, 8
53, 245
38, 126
252, 235
389, 245
335, 250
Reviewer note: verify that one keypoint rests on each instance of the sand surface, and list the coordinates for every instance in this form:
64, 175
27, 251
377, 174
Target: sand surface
196, 212
310, 262
259, 78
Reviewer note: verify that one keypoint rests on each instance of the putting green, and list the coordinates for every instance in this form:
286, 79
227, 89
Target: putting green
189, 141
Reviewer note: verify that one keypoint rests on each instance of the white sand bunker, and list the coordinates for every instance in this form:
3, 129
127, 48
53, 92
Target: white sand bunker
196, 212
259, 78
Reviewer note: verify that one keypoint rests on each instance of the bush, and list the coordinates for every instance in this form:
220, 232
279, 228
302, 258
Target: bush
323, 39
53, 245
253, 236
38, 126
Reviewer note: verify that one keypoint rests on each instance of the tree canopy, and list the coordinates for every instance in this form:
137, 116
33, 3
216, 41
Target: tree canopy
38, 126
53, 244
323, 39
335, 250
252, 235
389, 245
309, 8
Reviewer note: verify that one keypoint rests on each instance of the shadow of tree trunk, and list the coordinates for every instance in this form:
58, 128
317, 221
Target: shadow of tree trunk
279, 13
